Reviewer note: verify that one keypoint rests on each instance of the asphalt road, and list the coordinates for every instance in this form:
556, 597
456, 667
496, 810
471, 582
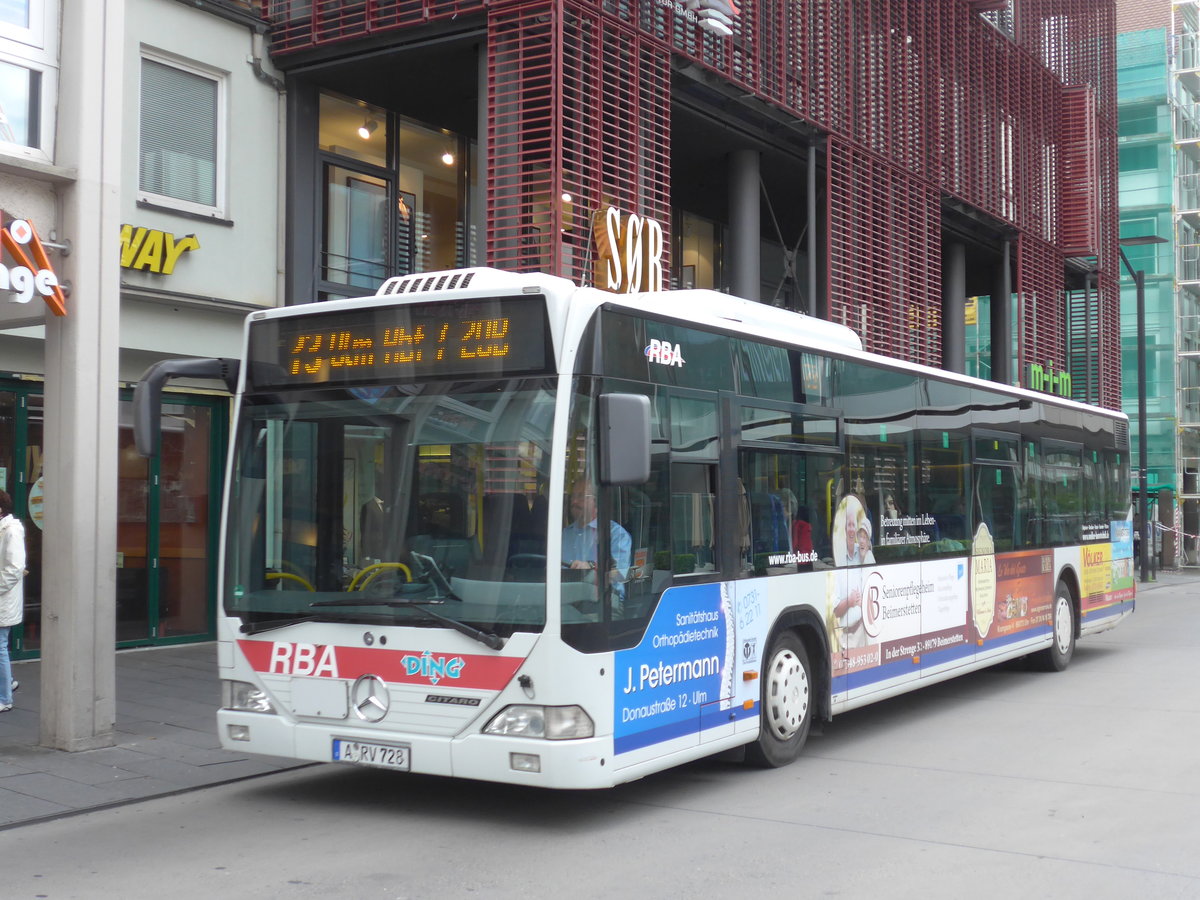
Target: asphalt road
1003, 783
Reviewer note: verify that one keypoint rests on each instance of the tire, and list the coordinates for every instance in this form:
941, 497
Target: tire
1058, 655
788, 702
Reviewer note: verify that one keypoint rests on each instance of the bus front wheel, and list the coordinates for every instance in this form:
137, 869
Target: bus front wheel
1062, 622
787, 704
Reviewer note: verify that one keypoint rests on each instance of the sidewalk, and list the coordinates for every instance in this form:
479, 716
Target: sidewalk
165, 740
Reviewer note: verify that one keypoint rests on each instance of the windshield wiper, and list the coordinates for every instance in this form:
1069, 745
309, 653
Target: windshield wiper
484, 637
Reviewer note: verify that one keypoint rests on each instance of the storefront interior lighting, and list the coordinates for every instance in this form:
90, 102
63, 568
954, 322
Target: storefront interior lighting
367, 128
448, 158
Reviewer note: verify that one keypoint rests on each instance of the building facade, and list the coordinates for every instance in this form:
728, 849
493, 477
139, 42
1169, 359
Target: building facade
875, 163
909, 169
1159, 153
183, 174
1184, 53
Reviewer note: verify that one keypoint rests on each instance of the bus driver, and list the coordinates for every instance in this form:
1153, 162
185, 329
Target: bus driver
579, 539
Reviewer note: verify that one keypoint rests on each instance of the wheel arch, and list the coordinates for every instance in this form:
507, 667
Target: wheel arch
1069, 577
810, 628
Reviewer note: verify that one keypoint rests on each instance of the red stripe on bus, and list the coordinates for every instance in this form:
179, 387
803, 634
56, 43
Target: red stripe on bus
393, 666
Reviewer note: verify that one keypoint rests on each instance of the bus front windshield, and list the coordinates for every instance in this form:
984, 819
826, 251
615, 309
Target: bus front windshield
401, 504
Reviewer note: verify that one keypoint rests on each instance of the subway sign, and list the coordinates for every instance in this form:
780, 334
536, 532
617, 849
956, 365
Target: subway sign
152, 250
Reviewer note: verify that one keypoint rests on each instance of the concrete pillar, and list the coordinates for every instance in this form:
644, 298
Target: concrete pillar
1001, 324
954, 298
745, 201
79, 553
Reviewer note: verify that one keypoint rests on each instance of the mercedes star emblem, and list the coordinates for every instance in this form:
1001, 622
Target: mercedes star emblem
370, 698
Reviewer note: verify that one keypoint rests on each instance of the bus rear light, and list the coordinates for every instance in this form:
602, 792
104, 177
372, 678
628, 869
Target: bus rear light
553, 723
245, 697
239, 732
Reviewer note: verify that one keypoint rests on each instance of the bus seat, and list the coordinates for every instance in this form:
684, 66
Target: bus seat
506, 519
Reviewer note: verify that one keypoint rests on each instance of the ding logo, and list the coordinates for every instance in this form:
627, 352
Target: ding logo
435, 669
664, 353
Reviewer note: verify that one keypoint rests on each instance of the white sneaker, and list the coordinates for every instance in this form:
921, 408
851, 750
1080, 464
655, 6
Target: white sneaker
16, 684
6, 707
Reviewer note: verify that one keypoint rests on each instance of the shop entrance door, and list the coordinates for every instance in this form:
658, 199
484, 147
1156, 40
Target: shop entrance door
167, 524
21, 476
167, 515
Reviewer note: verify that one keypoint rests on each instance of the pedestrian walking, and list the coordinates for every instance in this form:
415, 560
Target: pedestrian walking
12, 594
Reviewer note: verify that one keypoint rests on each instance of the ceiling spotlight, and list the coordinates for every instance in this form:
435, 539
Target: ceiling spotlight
567, 198
367, 128
448, 158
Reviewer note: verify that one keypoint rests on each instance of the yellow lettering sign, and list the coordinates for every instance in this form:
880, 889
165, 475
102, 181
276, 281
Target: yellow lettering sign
151, 250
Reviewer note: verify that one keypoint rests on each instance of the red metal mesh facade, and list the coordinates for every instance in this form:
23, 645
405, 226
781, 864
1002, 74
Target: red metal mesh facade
896, 304
580, 121
1041, 310
304, 24
923, 95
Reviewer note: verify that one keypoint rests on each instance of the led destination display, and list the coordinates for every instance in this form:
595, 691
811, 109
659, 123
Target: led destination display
469, 338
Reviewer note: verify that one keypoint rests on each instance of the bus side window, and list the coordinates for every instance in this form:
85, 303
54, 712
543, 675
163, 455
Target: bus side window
693, 519
642, 512
780, 525
996, 499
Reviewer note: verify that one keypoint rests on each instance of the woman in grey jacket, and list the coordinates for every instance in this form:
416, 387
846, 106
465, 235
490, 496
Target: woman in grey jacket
12, 595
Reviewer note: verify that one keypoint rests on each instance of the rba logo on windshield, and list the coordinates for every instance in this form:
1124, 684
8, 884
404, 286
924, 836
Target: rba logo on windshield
321, 661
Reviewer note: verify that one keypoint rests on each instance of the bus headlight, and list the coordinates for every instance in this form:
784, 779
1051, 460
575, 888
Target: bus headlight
245, 697
554, 723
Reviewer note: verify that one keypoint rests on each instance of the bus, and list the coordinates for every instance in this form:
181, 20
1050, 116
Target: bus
498, 526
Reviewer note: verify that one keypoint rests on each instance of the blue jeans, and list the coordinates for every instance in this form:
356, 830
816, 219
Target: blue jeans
5, 668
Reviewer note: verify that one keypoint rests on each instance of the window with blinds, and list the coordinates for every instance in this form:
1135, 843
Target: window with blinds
180, 159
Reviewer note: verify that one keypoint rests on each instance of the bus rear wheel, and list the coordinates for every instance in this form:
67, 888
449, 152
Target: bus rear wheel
1062, 622
787, 704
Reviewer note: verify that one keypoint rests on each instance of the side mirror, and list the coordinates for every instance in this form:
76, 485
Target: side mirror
624, 433
147, 393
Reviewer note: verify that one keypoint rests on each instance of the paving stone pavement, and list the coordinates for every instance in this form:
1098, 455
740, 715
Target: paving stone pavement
165, 740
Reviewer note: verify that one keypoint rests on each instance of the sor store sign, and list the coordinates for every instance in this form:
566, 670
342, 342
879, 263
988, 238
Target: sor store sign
25, 271
629, 251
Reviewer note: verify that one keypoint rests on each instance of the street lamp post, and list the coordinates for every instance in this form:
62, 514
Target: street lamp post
1139, 282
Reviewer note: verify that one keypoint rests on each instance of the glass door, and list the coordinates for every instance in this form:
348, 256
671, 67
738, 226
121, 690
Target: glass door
21, 476
188, 500
166, 516
167, 524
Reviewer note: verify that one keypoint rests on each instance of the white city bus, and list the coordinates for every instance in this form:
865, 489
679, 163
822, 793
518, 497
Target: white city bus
496, 526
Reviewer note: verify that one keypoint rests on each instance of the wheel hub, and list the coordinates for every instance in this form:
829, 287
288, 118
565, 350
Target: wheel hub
787, 695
